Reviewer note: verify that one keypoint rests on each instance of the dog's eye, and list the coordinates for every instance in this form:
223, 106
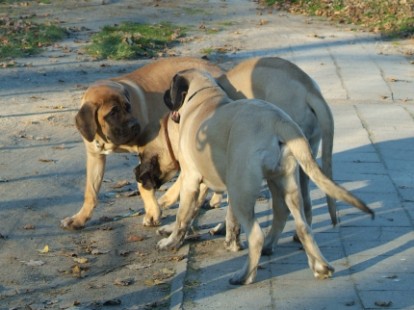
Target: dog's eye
128, 107
114, 111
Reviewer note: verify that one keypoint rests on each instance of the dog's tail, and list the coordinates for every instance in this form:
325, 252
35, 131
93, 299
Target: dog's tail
325, 119
293, 137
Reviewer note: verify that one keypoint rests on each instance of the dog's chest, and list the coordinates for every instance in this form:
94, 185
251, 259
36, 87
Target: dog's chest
109, 148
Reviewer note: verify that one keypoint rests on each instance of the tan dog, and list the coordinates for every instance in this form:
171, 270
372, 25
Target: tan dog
124, 115
234, 145
284, 84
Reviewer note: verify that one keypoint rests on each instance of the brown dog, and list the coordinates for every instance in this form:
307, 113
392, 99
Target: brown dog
124, 115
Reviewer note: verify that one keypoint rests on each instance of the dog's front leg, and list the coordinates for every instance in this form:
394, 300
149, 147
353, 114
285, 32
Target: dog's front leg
187, 210
152, 215
95, 169
172, 195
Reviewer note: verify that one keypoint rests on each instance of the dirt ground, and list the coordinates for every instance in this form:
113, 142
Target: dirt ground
112, 262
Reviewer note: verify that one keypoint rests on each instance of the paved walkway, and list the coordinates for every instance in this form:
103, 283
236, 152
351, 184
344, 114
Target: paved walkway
371, 92
373, 259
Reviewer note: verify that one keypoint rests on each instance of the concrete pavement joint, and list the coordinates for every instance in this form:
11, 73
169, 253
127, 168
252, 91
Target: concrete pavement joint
338, 72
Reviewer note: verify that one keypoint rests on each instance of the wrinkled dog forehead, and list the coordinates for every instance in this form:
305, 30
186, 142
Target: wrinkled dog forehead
106, 91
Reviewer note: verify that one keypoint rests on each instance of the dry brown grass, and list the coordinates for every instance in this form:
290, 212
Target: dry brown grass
389, 17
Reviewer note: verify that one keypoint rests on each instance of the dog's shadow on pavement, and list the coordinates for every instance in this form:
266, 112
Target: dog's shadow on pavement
357, 245
360, 242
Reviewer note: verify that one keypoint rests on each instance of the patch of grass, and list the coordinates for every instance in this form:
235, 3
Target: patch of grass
227, 23
217, 50
21, 37
207, 51
389, 17
194, 11
132, 40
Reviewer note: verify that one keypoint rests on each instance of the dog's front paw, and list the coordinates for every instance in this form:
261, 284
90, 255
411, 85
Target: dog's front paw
72, 223
240, 278
166, 230
233, 245
151, 221
219, 229
169, 243
323, 271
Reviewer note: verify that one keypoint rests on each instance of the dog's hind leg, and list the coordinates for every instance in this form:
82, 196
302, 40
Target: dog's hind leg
280, 215
232, 241
319, 265
242, 197
307, 203
314, 142
304, 189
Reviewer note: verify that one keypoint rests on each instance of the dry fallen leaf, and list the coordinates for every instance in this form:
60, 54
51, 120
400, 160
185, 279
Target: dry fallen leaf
76, 269
135, 238
123, 282
127, 194
383, 303
44, 250
106, 228
120, 184
150, 282
124, 253
160, 277
96, 285
138, 266
168, 272
176, 258
80, 260
45, 160
263, 22
59, 147
99, 252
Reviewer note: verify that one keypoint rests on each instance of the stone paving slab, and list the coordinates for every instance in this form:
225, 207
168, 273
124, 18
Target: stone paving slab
373, 259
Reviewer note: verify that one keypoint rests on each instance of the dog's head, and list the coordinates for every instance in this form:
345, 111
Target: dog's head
184, 86
106, 111
148, 173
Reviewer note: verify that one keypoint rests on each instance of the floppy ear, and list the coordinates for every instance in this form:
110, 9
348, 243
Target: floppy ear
86, 121
167, 99
127, 95
178, 90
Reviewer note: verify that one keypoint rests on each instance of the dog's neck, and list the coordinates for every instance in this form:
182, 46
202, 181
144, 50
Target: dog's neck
168, 140
202, 89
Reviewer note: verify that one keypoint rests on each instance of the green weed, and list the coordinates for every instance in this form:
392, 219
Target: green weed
21, 37
131, 40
